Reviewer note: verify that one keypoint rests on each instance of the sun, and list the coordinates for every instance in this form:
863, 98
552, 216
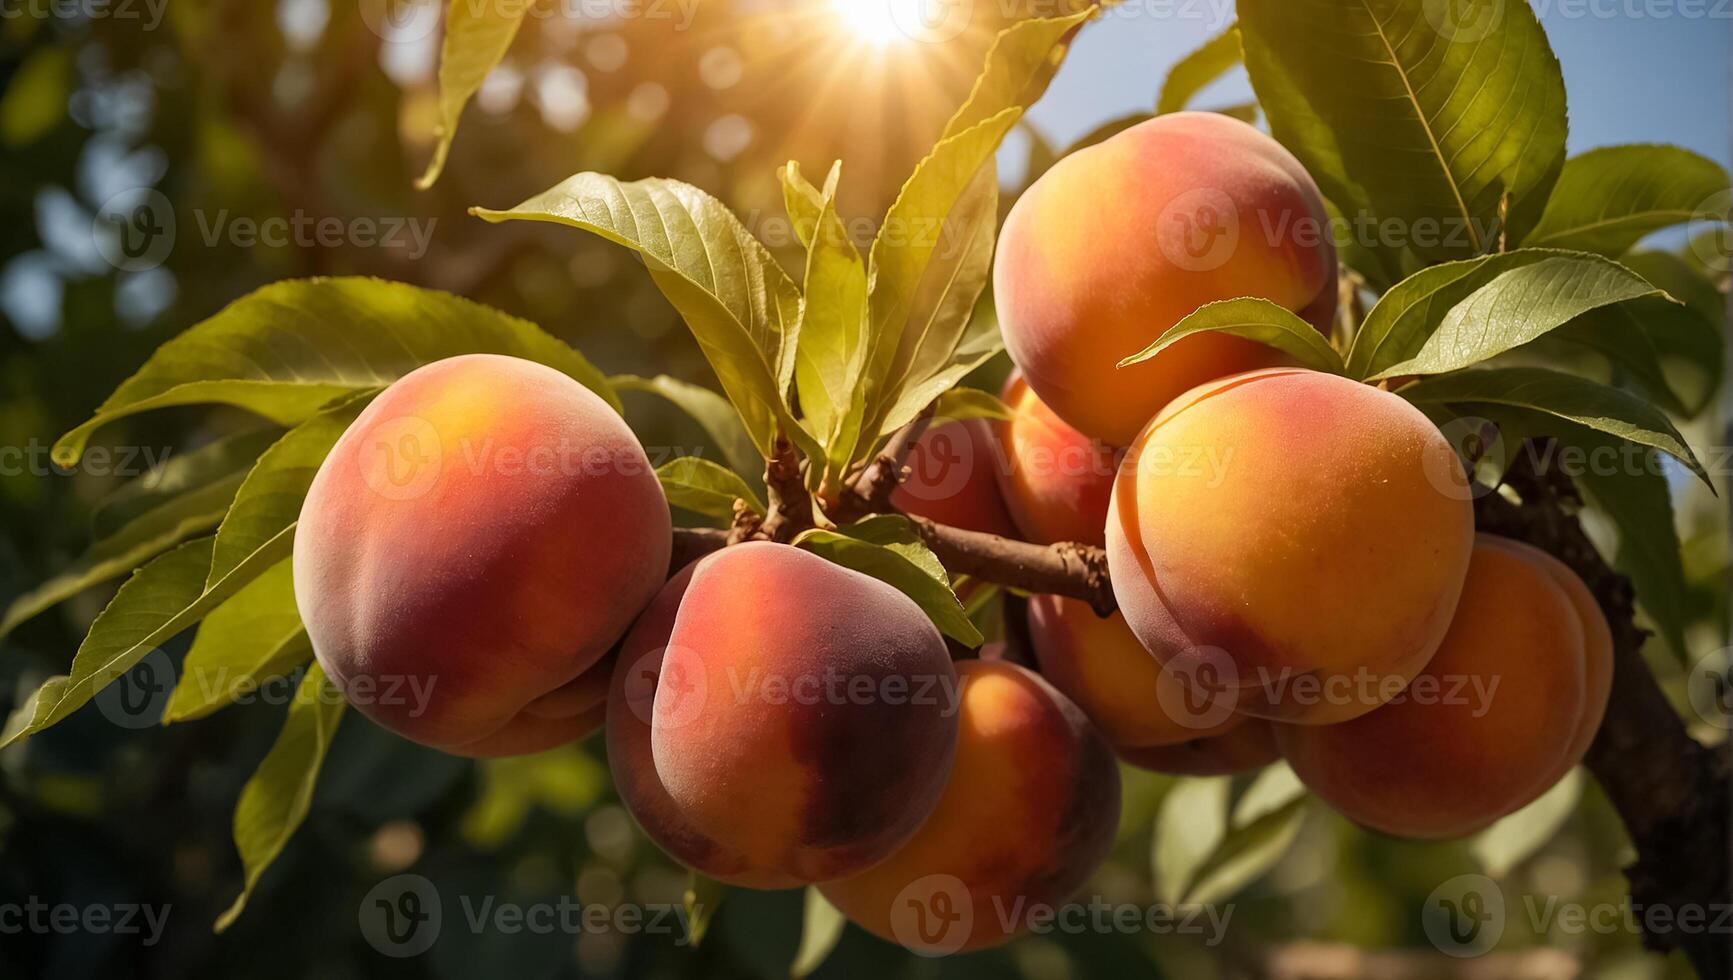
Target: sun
877, 22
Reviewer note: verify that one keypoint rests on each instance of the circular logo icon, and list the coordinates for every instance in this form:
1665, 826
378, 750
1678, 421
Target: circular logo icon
401, 458
1199, 687
400, 916
933, 915
135, 229
1464, 916
1710, 688
135, 698
1463, 21
1476, 449
668, 685
402, 21
941, 462
931, 21
1199, 230
1709, 233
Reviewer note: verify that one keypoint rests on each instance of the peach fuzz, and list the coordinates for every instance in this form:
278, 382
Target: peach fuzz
1481, 732
1056, 481
1121, 240
1302, 536
1099, 664
435, 553
1029, 812
951, 479
1242, 749
806, 721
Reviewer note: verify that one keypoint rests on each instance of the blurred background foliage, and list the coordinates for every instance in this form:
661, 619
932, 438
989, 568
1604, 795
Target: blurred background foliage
240, 110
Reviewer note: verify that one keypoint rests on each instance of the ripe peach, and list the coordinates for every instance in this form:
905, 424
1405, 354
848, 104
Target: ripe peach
1597, 648
477, 539
1241, 749
951, 479
631, 706
1297, 533
1482, 731
1121, 240
804, 717
1099, 664
1056, 481
1029, 813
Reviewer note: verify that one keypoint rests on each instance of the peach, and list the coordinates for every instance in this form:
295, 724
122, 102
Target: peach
1242, 749
1099, 664
804, 717
1121, 240
479, 538
1056, 481
1028, 814
951, 481
1482, 731
1302, 536
1597, 648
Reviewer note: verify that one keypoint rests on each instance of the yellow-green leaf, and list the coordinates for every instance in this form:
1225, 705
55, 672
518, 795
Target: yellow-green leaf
477, 35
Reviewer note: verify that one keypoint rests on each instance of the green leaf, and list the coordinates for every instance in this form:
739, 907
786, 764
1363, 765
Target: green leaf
1253, 319
1608, 199
1520, 305
1197, 70
1621, 334
958, 404
703, 897
269, 500
1690, 340
820, 930
1513, 839
705, 487
477, 36
276, 799
742, 308
1586, 403
875, 547
159, 601
1104, 132
36, 94
286, 350
1248, 851
254, 635
1638, 501
186, 496
833, 323
711, 411
928, 266
1370, 95
1190, 824
1020, 64
224, 459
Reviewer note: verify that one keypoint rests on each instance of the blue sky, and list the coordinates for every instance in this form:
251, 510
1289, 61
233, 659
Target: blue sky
1659, 78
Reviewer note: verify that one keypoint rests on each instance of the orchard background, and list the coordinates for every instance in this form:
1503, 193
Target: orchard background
165, 160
